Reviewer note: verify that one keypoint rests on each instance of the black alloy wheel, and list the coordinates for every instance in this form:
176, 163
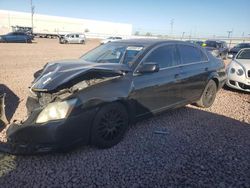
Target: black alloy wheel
109, 126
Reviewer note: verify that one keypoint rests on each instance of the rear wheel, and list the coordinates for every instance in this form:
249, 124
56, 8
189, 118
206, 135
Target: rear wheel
109, 126
208, 95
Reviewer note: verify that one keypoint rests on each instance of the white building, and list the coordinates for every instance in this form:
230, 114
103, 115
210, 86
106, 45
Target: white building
61, 25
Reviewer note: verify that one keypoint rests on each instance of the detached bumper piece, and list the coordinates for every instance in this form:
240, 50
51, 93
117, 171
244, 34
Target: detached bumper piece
24, 149
3, 119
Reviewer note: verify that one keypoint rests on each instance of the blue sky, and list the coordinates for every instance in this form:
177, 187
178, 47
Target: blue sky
195, 17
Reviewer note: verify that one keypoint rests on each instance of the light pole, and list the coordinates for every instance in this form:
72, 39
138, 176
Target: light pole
172, 26
32, 14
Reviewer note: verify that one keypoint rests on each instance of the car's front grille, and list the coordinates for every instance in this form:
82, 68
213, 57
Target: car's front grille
244, 86
232, 82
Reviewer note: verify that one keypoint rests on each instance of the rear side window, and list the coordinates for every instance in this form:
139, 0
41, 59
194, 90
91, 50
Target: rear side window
190, 54
165, 56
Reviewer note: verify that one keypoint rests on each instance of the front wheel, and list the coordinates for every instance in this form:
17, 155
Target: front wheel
208, 95
109, 126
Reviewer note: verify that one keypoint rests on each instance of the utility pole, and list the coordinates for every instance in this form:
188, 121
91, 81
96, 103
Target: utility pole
172, 26
183, 33
32, 13
229, 35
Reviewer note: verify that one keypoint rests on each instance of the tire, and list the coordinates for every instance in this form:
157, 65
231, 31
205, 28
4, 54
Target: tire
109, 126
82, 42
208, 95
65, 42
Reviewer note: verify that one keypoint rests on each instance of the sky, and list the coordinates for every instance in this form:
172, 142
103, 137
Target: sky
194, 17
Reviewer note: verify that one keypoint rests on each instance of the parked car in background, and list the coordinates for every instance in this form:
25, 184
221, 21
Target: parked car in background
198, 42
217, 48
238, 71
110, 39
233, 51
93, 99
73, 38
23, 29
16, 37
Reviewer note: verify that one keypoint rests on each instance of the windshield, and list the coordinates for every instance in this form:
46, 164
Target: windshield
112, 53
211, 44
244, 54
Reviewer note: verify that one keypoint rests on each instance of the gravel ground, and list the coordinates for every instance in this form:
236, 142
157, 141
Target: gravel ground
198, 148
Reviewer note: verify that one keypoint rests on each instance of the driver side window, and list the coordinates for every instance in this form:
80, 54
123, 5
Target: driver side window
165, 56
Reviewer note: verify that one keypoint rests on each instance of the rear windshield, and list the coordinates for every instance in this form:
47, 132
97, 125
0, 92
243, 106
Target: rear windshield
211, 44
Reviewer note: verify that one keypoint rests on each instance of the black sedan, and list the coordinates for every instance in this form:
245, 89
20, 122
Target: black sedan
16, 37
92, 100
233, 51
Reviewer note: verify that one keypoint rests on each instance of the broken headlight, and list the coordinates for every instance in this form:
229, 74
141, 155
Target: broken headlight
56, 111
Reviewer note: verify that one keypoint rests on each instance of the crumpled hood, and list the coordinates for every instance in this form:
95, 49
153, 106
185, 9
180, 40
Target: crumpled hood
58, 73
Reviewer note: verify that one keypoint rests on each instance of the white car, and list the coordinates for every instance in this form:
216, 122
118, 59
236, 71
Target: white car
238, 71
73, 38
110, 39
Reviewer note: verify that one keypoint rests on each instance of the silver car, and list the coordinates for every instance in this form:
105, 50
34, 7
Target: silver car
73, 38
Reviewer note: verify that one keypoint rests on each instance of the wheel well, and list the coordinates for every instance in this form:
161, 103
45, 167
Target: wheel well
129, 109
216, 81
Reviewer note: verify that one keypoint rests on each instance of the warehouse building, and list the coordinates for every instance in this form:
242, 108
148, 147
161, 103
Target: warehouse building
62, 25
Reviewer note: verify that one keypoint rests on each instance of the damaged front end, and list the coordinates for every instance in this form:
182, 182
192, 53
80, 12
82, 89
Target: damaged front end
57, 118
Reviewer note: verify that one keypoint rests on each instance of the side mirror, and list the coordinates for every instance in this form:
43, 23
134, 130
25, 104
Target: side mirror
230, 56
148, 68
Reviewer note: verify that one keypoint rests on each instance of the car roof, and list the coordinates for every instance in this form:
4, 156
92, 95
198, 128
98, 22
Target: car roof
149, 42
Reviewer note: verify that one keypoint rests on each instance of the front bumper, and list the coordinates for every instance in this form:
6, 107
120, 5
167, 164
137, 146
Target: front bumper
238, 82
60, 135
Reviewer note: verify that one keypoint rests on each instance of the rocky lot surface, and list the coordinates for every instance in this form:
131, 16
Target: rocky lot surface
196, 147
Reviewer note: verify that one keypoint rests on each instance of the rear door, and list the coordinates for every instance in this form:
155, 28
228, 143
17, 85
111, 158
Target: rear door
194, 73
157, 91
77, 38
